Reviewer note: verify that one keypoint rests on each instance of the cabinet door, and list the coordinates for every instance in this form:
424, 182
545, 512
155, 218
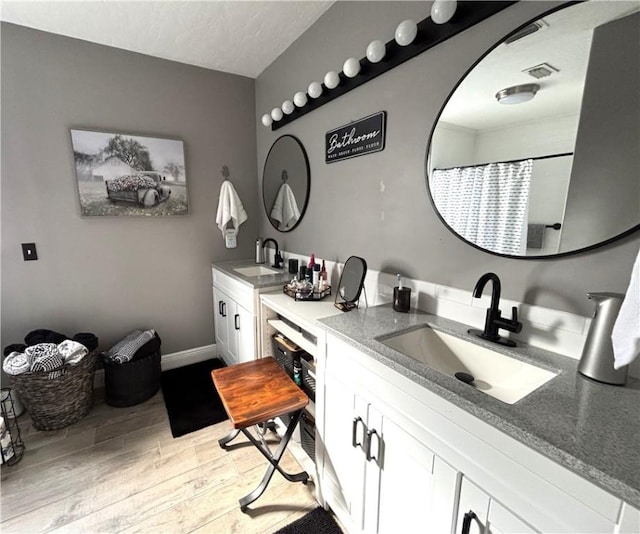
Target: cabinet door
417, 489
344, 442
242, 342
479, 513
221, 308
502, 521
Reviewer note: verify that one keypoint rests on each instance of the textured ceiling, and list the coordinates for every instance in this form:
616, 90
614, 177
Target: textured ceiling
240, 37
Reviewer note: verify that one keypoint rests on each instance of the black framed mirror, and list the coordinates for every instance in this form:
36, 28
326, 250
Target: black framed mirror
286, 183
535, 152
351, 283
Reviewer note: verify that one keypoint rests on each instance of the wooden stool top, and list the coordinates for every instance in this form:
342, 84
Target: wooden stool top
256, 391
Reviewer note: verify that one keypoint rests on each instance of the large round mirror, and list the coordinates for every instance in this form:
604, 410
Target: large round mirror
536, 151
285, 183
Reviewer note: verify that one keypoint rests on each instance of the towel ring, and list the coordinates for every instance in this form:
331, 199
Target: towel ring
285, 176
225, 172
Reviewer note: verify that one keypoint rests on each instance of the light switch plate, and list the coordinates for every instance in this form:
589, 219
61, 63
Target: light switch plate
29, 251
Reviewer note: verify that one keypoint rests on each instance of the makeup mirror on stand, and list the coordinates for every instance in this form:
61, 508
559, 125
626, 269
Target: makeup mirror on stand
351, 284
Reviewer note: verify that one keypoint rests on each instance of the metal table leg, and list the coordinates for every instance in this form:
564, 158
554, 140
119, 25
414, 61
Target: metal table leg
273, 459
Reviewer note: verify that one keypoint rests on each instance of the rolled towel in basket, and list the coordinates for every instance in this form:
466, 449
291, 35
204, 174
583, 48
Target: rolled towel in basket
88, 339
72, 352
16, 363
123, 351
16, 347
45, 357
43, 335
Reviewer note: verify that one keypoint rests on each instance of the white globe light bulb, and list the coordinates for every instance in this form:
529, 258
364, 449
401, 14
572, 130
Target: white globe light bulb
351, 67
276, 114
287, 107
314, 90
267, 120
331, 79
299, 99
376, 51
443, 10
406, 32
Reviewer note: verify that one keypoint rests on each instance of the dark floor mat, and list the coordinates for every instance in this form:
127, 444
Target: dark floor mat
318, 521
190, 397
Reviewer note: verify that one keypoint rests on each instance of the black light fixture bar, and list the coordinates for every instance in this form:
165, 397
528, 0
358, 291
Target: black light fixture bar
430, 34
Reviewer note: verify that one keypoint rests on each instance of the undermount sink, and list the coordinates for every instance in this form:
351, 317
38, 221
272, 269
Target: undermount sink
493, 373
256, 270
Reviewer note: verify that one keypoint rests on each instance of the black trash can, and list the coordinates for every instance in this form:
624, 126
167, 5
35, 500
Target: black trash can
133, 382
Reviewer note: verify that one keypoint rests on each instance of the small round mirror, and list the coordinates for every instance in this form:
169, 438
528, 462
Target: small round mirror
285, 183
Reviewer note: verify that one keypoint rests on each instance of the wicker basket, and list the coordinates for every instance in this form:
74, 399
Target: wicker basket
58, 402
130, 383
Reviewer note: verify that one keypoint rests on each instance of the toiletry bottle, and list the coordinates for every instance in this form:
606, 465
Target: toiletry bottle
297, 370
323, 277
316, 277
312, 262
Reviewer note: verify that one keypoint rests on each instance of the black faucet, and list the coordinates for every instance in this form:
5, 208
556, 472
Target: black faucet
277, 258
494, 319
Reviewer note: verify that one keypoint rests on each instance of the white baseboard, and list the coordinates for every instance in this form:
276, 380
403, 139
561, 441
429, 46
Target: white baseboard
172, 361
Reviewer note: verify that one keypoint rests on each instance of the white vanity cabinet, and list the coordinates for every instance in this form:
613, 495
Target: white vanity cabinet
432, 462
377, 477
235, 306
235, 329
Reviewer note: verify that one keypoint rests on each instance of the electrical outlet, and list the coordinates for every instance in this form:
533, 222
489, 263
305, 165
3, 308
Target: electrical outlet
29, 251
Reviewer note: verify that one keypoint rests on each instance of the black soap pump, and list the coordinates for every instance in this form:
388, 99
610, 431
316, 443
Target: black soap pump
401, 297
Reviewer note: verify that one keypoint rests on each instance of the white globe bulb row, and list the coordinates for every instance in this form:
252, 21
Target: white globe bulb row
442, 11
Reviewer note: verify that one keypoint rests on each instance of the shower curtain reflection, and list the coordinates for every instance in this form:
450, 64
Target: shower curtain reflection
487, 204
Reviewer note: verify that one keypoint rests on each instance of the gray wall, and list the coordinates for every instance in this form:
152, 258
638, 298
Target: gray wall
109, 275
605, 177
377, 205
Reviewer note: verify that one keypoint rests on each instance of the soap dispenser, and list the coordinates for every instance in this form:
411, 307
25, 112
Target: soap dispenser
597, 356
401, 297
259, 250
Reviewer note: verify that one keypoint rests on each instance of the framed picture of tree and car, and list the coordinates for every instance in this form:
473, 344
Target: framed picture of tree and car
123, 174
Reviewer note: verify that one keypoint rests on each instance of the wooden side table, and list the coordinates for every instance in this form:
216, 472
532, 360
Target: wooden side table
256, 392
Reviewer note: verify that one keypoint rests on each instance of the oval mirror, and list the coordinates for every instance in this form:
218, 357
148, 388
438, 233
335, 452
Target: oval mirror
535, 152
285, 183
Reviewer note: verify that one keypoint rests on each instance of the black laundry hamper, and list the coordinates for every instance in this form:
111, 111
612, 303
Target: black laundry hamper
128, 384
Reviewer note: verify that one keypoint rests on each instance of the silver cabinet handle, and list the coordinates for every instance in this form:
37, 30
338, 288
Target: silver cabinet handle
370, 435
354, 432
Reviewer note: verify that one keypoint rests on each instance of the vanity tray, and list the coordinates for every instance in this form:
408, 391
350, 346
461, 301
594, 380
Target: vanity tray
299, 295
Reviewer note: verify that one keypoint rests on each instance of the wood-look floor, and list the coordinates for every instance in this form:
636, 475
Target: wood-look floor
120, 470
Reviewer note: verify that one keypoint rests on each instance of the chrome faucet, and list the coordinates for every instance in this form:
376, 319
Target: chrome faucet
277, 258
494, 320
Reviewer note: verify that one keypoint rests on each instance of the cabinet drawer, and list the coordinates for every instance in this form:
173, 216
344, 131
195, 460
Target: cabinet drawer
241, 293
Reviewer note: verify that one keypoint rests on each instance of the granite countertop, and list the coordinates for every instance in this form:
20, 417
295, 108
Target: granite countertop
590, 428
280, 277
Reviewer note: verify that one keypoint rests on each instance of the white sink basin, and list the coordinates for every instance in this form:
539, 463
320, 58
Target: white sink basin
256, 270
495, 374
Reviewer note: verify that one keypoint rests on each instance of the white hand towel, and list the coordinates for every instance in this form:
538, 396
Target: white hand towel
230, 207
626, 330
285, 208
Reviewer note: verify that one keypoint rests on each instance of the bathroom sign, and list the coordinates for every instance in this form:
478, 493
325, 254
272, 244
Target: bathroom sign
357, 138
